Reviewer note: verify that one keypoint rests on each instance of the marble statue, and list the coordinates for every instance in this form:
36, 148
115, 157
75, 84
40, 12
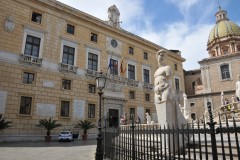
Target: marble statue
222, 98
185, 106
148, 117
162, 78
238, 88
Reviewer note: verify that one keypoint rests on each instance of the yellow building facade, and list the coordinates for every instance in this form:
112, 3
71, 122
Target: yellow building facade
50, 55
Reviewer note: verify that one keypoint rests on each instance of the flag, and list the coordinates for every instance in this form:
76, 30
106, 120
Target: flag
122, 67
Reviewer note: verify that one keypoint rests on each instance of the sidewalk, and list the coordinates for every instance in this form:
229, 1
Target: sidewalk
40, 150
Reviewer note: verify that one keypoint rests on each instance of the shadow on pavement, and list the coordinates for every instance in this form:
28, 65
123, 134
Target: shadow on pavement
48, 144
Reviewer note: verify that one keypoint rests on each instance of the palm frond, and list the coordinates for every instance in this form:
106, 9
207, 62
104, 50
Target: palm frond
48, 124
4, 124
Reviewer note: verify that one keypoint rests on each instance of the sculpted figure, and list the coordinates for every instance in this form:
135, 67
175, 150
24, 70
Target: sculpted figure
185, 106
222, 98
148, 117
238, 88
162, 78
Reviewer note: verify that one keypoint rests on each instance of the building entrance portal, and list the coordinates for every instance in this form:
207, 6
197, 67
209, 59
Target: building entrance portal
113, 117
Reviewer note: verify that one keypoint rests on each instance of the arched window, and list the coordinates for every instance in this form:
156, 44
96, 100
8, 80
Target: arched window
193, 116
193, 85
225, 50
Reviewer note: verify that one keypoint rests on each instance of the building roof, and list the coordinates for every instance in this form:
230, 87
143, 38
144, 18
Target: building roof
223, 28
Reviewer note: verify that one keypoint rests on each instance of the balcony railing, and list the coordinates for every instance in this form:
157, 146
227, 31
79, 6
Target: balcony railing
116, 78
132, 82
30, 59
67, 67
92, 73
147, 86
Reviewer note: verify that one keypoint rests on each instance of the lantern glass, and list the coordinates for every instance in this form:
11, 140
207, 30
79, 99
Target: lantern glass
100, 82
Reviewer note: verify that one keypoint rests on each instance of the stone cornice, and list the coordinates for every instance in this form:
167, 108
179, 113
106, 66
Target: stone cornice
220, 58
210, 94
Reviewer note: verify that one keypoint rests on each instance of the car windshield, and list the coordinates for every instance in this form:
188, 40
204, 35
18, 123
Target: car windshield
65, 132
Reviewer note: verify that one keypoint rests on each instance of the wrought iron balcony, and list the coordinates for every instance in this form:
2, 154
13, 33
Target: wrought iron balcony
67, 67
132, 82
30, 59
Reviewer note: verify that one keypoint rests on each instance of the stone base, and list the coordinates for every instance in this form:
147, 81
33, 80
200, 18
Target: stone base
169, 115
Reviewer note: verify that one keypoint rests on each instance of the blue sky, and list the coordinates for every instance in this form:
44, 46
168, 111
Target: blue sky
174, 24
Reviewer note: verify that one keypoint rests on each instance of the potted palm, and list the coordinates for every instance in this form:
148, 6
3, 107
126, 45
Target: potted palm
3, 123
85, 125
48, 125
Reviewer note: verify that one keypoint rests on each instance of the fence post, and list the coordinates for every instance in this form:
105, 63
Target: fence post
133, 145
212, 132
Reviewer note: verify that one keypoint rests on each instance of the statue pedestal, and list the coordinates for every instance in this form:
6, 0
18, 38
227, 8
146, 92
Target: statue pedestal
169, 115
166, 113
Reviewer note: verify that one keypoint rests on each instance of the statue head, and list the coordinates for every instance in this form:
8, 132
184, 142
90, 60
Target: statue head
161, 55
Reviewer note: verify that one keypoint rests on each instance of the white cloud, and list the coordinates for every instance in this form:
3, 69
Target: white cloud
184, 5
98, 8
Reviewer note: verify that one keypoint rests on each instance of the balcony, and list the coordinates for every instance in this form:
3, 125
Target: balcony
67, 67
116, 78
132, 82
30, 59
91, 73
147, 86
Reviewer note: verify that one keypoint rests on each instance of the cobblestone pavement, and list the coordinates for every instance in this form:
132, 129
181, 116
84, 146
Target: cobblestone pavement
40, 150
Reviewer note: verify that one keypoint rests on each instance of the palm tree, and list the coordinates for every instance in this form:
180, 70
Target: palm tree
85, 125
3, 123
48, 125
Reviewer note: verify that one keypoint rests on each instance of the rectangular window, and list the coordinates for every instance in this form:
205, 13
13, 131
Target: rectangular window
145, 55
92, 61
146, 75
68, 55
132, 111
91, 110
130, 50
36, 17
192, 104
131, 72
147, 97
66, 84
28, 78
175, 67
65, 106
132, 95
225, 71
92, 88
113, 66
25, 105
70, 29
32, 46
93, 37
177, 84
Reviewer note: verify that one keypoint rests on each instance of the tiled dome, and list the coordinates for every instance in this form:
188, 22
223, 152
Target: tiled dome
222, 29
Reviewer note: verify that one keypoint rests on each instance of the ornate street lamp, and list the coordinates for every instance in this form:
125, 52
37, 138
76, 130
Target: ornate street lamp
100, 82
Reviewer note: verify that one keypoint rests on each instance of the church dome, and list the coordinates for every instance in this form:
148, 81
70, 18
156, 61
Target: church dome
224, 37
222, 29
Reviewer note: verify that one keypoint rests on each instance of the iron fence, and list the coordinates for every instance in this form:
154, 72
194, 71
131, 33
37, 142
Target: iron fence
199, 140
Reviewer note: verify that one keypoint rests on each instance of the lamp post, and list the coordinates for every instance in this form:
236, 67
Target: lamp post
100, 83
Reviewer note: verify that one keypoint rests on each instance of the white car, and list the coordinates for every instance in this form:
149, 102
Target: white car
65, 136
